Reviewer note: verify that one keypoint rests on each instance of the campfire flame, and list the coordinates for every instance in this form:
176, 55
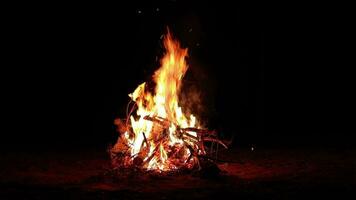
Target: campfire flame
159, 136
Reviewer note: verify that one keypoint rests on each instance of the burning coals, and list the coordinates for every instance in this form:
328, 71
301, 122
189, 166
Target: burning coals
156, 134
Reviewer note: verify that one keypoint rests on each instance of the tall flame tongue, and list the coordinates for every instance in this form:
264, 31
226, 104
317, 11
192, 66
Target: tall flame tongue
168, 79
151, 139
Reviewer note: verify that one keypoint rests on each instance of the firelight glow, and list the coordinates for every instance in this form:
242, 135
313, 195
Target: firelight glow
159, 146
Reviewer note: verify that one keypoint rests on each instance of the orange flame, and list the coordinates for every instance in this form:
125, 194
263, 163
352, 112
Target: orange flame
159, 145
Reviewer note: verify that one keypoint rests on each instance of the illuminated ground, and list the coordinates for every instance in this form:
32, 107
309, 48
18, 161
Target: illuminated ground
271, 174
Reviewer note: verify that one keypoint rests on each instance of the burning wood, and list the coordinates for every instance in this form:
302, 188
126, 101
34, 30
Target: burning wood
159, 136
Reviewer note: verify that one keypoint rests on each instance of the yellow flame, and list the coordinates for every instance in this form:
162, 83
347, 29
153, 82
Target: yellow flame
163, 104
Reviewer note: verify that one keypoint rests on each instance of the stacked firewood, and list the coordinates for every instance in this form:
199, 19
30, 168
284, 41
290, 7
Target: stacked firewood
195, 140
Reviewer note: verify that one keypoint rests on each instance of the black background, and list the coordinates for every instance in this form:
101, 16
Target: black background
267, 79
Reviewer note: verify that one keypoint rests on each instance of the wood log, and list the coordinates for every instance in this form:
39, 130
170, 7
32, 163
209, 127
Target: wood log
190, 136
191, 150
215, 140
200, 131
160, 121
145, 139
151, 156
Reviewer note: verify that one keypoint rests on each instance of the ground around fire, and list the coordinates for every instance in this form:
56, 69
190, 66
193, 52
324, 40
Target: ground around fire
245, 174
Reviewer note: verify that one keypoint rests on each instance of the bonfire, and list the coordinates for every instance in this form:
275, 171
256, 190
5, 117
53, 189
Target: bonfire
156, 134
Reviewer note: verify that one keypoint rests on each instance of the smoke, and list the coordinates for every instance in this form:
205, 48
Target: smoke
197, 94
191, 99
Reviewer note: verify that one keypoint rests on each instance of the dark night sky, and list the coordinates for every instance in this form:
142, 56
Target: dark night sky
71, 69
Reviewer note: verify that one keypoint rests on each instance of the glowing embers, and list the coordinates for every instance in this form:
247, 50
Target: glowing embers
156, 134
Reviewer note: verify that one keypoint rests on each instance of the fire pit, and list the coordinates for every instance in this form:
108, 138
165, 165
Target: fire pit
157, 135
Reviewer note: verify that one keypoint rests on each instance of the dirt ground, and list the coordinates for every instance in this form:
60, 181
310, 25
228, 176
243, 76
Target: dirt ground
245, 174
